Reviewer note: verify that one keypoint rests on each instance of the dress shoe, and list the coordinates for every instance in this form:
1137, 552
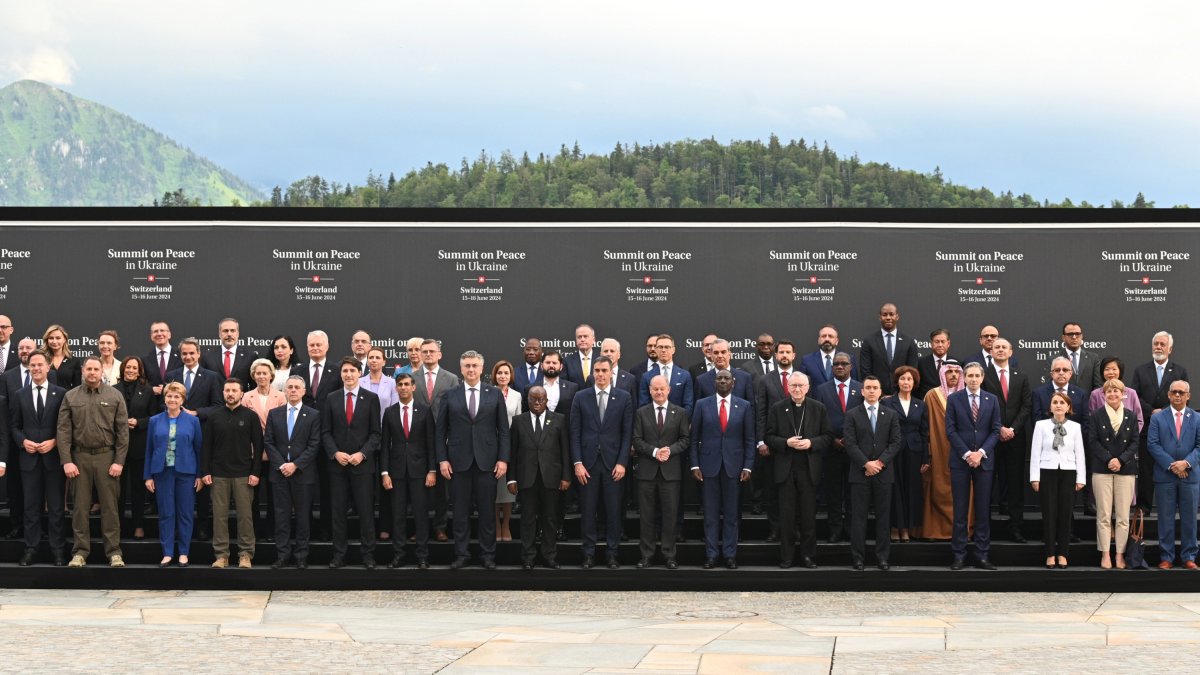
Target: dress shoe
958, 564
985, 564
836, 537
527, 565
857, 565
1189, 565
710, 563
422, 564
643, 563
397, 561
551, 564
458, 563
785, 564
731, 563
1075, 539
1016, 536
1165, 565
489, 564
279, 563
772, 537
27, 557
588, 562
15, 533
60, 559
440, 535
369, 562
613, 564
336, 563
883, 565
300, 564
808, 563
671, 564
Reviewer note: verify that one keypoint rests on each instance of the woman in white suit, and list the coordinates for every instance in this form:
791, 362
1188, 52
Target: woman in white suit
1057, 470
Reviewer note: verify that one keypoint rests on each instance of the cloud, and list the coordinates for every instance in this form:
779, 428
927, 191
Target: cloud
44, 64
34, 44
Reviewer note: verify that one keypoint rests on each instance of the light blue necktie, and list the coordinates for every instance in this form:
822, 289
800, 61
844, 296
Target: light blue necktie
187, 381
291, 420
1160, 374
871, 412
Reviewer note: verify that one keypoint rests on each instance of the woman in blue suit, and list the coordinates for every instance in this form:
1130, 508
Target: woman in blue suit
172, 459
913, 459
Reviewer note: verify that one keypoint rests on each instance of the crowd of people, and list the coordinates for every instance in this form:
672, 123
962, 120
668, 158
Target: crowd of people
924, 442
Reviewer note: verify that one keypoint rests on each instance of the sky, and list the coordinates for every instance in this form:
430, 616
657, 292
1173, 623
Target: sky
1089, 101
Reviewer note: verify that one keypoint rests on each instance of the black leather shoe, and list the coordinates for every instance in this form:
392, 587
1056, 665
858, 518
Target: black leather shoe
552, 564
883, 565
279, 562
397, 561
336, 563
588, 562
489, 564
772, 537
458, 563
1075, 539
369, 562
857, 565
958, 564
731, 563
643, 563
1016, 536
60, 559
785, 564
527, 565
985, 564
27, 557
809, 563
422, 564
613, 564
671, 564
710, 563
301, 564
15, 533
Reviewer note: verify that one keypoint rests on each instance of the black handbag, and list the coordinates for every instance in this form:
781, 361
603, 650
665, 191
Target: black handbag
1135, 549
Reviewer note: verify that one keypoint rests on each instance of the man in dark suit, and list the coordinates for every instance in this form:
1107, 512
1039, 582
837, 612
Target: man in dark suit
1061, 377
230, 360
887, 349
764, 361
621, 378
705, 365
601, 435
472, 445
722, 458
34, 428
432, 372
743, 382
1174, 442
818, 365
360, 346
872, 441
203, 385
14, 379
661, 434
679, 380
1085, 362
529, 371
643, 366
293, 444
1015, 394
578, 366
798, 434
559, 390
162, 359
540, 469
929, 365
8, 348
408, 465
973, 429
321, 378
18, 376
987, 337
769, 390
838, 395
1152, 381
350, 431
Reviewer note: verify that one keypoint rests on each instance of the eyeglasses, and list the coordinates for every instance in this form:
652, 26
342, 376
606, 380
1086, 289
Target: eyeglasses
989, 336
1074, 334
1177, 392
1061, 370
842, 363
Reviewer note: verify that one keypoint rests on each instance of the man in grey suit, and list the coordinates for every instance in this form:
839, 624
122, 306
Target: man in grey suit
1085, 362
661, 434
539, 470
872, 437
442, 380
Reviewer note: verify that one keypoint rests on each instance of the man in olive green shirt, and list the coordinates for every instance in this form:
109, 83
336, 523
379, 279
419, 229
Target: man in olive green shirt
93, 439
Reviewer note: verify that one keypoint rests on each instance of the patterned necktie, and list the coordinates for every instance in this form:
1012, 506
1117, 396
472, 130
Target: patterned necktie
828, 367
871, 414
316, 379
724, 416
471, 409
783, 378
1075, 362
187, 381
974, 409
603, 404
349, 407
429, 385
162, 366
26, 384
587, 366
891, 352
667, 374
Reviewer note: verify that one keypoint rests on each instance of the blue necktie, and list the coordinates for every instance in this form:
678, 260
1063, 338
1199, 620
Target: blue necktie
1160, 374
187, 381
828, 368
291, 420
27, 378
871, 412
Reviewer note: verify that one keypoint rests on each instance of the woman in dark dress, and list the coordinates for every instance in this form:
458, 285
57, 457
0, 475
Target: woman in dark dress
142, 404
65, 370
913, 458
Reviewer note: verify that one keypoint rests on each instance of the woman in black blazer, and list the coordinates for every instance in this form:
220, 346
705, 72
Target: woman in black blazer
65, 370
142, 404
1112, 454
913, 458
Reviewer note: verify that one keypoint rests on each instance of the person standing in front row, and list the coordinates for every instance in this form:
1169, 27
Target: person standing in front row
173, 449
350, 431
293, 444
407, 467
872, 443
34, 420
722, 457
540, 469
231, 456
973, 429
1174, 443
661, 436
1057, 470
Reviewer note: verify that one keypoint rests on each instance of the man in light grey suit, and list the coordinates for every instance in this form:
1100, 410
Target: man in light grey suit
442, 380
1088, 375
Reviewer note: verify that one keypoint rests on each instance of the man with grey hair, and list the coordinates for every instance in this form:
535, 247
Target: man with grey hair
1152, 381
321, 378
230, 360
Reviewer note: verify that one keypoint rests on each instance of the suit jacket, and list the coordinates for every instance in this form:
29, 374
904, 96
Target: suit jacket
827, 394
928, 370
675, 436
813, 365
1088, 376
682, 391
545, 456
754, 366
733, 449
188, 445
214, 360
205, 394
331, 381
303, 446
606, 441
462, 441
1165, 447
11, 359
1152, 395
873, 360
1079, 402
26, 425
914, 427
1105, 443
697, 370
864, 444
573, 368
967, 436
13, 381
150, 360
643, 366
69, 374
360, 435
442, 382
743, 384
624, 380
409, 456
982, 359
768, 391
521, 381
814, 425
140, 406
1017, 410
566, 393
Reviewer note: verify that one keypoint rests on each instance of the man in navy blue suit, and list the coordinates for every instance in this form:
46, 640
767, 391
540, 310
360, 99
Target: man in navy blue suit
722, 456
578, 366
818, 365
471, 439
203, 385
1174, 443
743, 382
601, 435
839, 395
680, 379
973, 429
529, 371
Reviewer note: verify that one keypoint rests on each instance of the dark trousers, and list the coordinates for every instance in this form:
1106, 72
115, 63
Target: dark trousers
134, 491
439, 496
1012, 453
836, 468
797, 506
404, 491
386, 521
479, 486
14, 484
962, 480
1057, 494
877, 493
176, 495
539, 508
345, 488
42, 485
1145, 476
664, 494
720, 493
324, 495
290, 496
264, 495
600, 486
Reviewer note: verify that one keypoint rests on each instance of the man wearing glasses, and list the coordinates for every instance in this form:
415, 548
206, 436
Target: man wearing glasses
1085, 362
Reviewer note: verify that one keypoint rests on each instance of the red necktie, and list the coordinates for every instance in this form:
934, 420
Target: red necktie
349, 407
1179, 424
162, 366
228, 361
842, 395
724, 416
1004, 383
406, 421
783, 376
974, 409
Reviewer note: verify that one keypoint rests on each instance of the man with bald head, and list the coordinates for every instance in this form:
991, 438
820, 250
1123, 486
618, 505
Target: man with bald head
539, 472
8, 350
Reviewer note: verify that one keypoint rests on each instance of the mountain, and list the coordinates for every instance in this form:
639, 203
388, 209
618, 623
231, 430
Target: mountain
60, 150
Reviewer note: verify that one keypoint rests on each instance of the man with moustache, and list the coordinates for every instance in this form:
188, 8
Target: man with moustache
408, 466
764, 361
887, 349
1152, 382
1084, 362
743, 382
539, 472
818, 365
644, 366
230, 360
930, 365
661, 436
